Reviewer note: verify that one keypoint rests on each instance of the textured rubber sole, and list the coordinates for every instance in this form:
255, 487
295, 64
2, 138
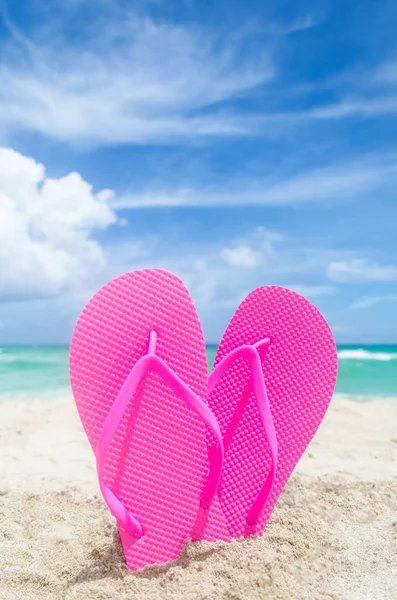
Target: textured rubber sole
299, 368
158, 460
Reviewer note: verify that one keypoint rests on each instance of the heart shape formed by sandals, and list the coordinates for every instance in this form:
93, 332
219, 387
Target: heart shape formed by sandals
176, 460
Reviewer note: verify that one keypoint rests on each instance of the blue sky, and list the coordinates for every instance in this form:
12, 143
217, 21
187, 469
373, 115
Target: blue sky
237, 144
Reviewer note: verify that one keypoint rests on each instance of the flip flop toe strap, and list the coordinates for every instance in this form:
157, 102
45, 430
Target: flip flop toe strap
152, 362
251, 354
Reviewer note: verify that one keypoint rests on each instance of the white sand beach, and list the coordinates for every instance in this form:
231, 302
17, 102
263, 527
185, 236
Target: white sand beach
333, 534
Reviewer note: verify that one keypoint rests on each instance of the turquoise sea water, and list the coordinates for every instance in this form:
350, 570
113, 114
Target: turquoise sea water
42, 371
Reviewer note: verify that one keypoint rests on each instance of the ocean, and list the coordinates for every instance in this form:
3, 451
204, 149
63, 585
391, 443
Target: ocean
365, 372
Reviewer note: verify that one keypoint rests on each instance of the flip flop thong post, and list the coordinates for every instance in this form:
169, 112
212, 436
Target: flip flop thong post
273, 378
139, 377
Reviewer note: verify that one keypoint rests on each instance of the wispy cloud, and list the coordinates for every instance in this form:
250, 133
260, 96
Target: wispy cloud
300, 24
364, 107
360, 270
370, 301
367, 93
130, 79
143, 82
335, 183
387, 72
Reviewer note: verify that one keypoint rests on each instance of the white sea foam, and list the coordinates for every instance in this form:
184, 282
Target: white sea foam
361, 354
345, 397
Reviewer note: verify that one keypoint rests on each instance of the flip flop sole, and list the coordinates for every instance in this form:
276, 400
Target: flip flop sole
299, 369
157, 462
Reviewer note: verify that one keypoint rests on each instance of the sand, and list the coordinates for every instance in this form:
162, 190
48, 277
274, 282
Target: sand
333, 534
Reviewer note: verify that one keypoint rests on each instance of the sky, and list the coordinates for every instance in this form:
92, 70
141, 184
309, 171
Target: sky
237, 144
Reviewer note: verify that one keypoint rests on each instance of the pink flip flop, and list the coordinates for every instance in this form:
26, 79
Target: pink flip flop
139, 376
273, 379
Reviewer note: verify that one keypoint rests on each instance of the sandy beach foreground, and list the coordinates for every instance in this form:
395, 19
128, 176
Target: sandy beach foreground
333, 534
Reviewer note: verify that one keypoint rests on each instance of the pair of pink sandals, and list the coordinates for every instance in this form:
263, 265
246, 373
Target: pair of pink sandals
179, 454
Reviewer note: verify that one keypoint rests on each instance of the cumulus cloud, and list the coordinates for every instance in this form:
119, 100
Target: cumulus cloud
45, 228
252, 252
360, 269
241, 256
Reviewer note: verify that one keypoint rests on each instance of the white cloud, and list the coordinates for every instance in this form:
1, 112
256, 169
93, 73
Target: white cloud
133, 81
312, 291
370, 93
331, 184
220, 277
360, 269
210, 284
241, 256
387, 72
253, 252
45, 228
359, 107
300, 24
370, 301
